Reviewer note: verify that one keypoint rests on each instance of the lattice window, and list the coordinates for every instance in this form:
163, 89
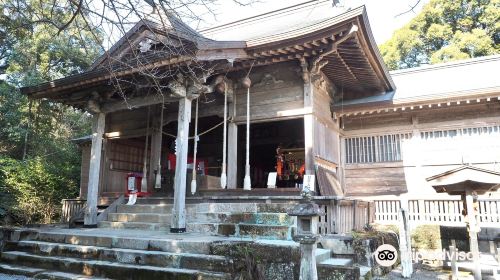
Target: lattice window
126, 157
378, 148
461, 132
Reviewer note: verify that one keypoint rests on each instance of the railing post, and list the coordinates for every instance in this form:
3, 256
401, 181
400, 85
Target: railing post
354, 206
454, 267
421, 211
337, 216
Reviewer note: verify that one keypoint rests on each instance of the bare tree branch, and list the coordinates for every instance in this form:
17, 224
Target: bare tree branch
412, 9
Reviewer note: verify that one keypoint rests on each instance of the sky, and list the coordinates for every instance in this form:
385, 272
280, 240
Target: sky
381, 13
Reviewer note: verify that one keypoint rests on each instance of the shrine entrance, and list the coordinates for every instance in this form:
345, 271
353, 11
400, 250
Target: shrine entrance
276, 146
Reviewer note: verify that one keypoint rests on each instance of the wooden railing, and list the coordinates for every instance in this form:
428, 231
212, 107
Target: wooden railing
343, 215
70, 207
442, 212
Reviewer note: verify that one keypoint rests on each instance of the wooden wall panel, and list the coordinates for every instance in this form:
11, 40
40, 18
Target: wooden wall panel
462, 113
321, 104
122, 157
84, 171
274, 88
375, 180
127, 120
269, 104
326, 142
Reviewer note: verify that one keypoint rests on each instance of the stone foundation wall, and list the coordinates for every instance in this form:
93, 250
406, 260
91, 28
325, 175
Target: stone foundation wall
274, 260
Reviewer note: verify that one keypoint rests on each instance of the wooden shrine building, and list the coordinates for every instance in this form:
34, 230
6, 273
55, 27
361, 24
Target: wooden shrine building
321, 102
294, 74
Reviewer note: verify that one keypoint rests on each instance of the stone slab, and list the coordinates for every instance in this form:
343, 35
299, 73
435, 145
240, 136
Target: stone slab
108, 269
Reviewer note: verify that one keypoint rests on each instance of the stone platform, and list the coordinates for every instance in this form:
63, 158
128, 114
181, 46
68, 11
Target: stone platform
103, 253
237, 219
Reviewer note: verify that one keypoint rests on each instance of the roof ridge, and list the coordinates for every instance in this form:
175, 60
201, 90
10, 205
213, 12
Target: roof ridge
272, 13
450, 64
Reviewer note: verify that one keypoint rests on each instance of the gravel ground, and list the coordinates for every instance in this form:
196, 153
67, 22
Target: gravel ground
13, 277
421, 273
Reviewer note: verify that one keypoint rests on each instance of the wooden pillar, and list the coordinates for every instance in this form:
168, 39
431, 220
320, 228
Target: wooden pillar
308, 129
155, 156
98, 123
178, 224
474, 246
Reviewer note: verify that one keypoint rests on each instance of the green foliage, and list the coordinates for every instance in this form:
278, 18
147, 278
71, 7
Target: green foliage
445, 31
426, 237
32, 190
36, 47
39, 165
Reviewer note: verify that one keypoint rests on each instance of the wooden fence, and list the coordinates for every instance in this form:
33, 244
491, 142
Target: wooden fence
343, 216
70, 207
442, 212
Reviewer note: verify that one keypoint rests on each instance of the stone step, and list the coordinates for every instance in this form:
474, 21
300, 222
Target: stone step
57, 275
135, 225
139, 217
129, 256
39, 273
322, 255
144, 208
364, 272
337, 262
199, 246
265, 231
245, 207
106, 268
243, 230
19, 270
249, 218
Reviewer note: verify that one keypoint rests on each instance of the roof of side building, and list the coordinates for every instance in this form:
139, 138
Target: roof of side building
458, 79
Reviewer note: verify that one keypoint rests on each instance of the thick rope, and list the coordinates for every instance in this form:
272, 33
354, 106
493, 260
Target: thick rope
195, 150
158, 173
199, 134
247, 185
223, 178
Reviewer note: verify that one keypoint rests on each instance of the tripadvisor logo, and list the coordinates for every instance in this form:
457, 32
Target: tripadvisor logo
386, 255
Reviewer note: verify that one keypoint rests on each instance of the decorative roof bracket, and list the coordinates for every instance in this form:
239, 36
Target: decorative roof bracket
314, 69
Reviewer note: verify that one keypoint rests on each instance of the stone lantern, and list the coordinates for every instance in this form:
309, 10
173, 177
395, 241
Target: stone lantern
307, 214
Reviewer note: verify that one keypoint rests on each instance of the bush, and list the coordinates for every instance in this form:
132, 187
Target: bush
31, 191
426, 237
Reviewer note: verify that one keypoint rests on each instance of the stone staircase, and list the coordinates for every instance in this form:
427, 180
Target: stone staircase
135, 243
104, 256
137, 254
228, 219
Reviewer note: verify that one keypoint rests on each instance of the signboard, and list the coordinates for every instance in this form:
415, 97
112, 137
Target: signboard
131, 183
271, 180
309, 182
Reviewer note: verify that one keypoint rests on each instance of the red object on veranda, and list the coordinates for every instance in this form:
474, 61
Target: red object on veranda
133, 184
171, 163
